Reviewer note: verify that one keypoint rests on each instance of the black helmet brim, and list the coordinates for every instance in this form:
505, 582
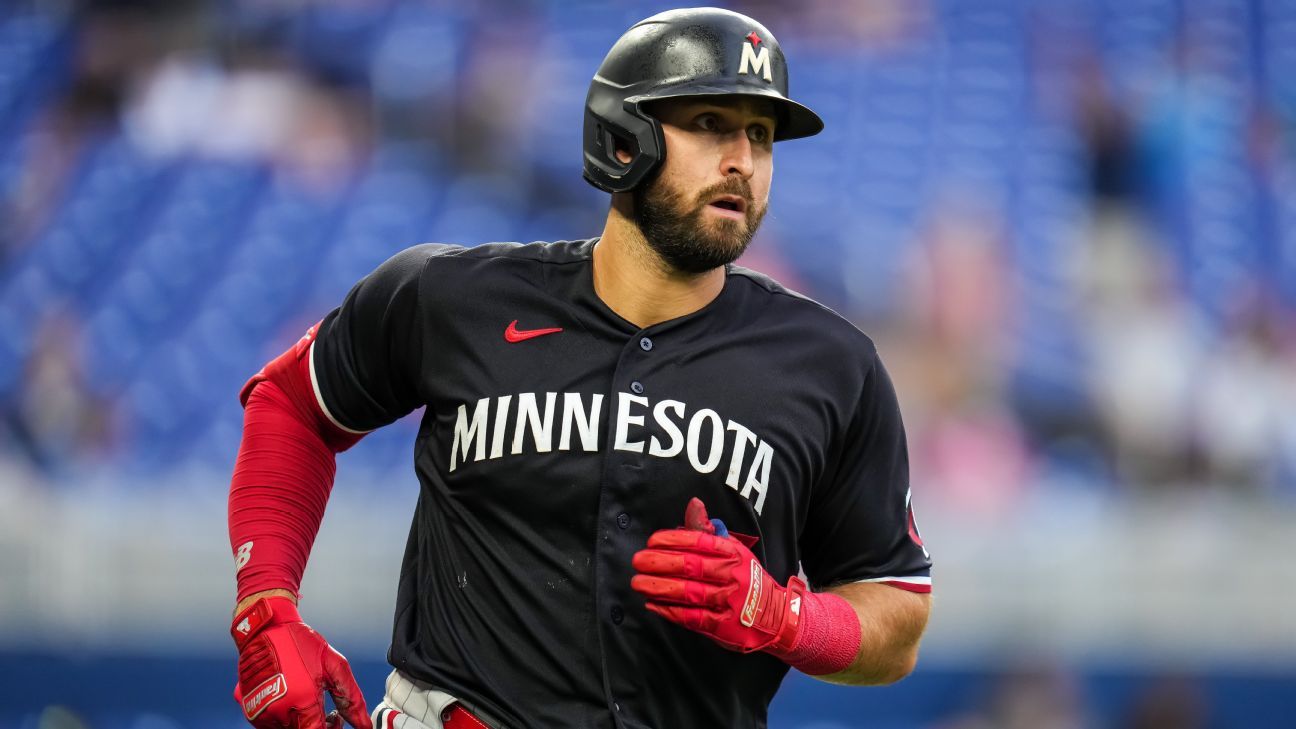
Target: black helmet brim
795, 120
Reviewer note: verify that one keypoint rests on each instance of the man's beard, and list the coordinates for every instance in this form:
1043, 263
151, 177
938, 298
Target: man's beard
683, 238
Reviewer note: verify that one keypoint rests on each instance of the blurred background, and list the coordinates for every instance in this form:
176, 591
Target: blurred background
1069, 224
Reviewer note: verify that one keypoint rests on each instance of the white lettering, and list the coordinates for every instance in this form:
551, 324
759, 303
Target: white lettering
716, 452
759, 481
676, 437
756, 62
465, 434
242, 556
743, 436
541, 429
261, 695
501, 423
586, 426
276, 687
625, 420
704, 441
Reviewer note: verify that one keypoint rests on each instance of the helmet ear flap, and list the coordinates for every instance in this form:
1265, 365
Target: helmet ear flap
628, 128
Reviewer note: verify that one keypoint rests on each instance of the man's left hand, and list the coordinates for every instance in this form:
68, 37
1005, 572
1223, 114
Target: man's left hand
713, 584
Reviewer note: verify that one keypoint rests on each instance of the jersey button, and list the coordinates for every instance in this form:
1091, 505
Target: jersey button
636, 387
623, 520
645, 344
618, 614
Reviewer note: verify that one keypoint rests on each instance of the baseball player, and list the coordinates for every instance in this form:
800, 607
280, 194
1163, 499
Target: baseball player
651, 481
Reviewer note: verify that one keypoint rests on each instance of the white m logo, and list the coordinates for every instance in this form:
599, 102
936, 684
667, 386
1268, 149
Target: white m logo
753, 62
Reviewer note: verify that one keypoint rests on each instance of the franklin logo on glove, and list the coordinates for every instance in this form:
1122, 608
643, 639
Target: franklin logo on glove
266, 694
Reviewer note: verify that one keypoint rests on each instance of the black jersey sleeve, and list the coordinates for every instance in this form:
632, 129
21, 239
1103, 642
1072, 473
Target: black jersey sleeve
368, 354
859, 525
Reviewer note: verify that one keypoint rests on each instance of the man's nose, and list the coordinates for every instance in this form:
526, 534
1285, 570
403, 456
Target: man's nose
738, 155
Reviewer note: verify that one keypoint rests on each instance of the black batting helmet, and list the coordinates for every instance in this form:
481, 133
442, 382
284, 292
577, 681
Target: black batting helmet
690, 52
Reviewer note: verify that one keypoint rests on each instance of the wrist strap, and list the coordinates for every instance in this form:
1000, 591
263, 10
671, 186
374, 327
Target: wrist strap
789, 632
264, 612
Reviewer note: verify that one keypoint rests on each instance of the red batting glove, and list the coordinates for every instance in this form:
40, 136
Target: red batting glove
715, 585
285, 668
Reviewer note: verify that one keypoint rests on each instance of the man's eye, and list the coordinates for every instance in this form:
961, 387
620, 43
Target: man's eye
708, 122
758, 134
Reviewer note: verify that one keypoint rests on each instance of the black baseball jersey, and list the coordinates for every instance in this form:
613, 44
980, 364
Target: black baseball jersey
558, 436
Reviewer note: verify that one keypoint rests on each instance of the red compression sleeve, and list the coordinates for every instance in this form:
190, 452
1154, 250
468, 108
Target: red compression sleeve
830, 635
283, 474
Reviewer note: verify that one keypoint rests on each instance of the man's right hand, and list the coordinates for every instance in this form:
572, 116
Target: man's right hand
285, 668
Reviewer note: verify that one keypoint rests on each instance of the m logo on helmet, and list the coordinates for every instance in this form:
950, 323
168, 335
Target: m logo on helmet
753, 62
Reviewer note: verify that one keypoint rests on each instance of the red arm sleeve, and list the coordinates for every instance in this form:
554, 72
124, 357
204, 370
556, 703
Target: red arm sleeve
283, 474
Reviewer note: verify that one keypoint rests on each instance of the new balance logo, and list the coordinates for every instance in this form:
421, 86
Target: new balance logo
244, 626
242, 556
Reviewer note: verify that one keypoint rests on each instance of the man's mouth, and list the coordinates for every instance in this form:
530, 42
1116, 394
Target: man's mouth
732, 206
